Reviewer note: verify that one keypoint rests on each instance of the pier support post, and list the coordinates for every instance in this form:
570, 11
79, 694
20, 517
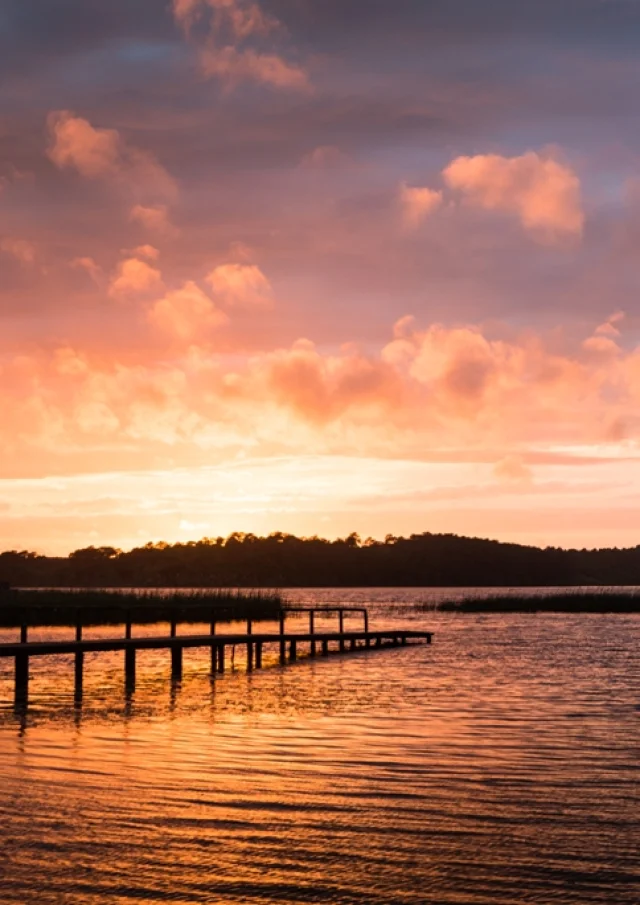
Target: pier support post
174, 627
312, 631
259, 655
249, 657
220, 657
214, 651
176, 664
325, 648
22, 679
23, 634
78, 678
127, 628
341, 617
379, 641
283, 649
130, 669
352, 644
366, 627
293, 651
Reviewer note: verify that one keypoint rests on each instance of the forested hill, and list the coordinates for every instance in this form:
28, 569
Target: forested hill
281, 560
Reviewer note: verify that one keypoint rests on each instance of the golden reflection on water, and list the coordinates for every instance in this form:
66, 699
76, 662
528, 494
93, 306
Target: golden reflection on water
498, 765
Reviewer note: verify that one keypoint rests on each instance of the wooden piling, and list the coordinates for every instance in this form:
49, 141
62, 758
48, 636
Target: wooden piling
293, 650
325, 648
341, 618
130, 669
221, 658
176, 663
23, 634
312, 629
259, 655
249, 657
78, 676
283, 648
22, 678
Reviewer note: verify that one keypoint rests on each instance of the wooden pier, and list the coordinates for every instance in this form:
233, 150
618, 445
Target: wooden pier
288, 645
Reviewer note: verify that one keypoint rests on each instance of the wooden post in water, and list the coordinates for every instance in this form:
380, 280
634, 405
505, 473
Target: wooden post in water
176, 664
366, 627
341, 617
283, 648
259, 655
352, 644
293, 651
174, 627
220, 657
22, 679
130, 669
79, 664
325, 648
23, 633
312, 631
127, 628
213, 647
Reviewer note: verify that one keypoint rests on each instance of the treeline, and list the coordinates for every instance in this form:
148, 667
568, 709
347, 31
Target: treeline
283, 560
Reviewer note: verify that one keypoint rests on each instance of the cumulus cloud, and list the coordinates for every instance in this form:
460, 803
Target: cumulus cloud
98, 153
543, 193
186, 312
154, 218
241, 286
233, 48
23, 251
324, 157
134, 277
89, 266
418, 203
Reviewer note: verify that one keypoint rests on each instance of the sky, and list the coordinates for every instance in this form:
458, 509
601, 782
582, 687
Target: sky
319, 267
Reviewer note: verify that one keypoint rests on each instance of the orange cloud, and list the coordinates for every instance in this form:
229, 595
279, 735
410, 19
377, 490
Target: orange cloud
186, 313
418, 204
89, 266
154, 218
23, 251
228, 50
542, 193
98, 153
241, 286
134, 277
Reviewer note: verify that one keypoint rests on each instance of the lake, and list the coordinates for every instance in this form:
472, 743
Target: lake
499, 765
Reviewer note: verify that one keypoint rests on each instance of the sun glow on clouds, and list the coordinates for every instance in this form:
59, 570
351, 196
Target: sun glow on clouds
276, 284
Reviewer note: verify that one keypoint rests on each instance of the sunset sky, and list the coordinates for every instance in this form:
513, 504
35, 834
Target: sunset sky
319, 266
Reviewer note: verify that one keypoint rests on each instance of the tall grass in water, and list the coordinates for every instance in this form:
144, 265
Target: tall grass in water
603, 601
91, 607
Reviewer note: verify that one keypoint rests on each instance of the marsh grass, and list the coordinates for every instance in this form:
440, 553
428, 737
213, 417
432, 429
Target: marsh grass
604, 601
66, 607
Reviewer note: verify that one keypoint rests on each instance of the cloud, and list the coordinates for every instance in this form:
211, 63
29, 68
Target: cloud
543, 193
89, 266
23, 251
134, 277
186, 313
418, 204
324, 157
154, 218
98, 153
512, 470
241, 286
233, 46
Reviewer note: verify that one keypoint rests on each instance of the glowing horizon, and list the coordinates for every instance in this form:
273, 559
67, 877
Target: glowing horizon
271, 267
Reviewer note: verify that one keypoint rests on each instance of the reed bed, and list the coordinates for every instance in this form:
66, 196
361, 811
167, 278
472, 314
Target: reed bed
66, 607
604, 601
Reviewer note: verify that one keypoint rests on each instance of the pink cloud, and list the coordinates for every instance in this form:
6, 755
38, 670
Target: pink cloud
241, 286
98, 153
418, 204
230, 52
543, 193
23, 251
154, 218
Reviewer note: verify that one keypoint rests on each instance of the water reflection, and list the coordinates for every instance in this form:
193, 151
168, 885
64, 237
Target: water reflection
498, 765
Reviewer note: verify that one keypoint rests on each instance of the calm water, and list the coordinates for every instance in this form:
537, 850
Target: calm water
499, 765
